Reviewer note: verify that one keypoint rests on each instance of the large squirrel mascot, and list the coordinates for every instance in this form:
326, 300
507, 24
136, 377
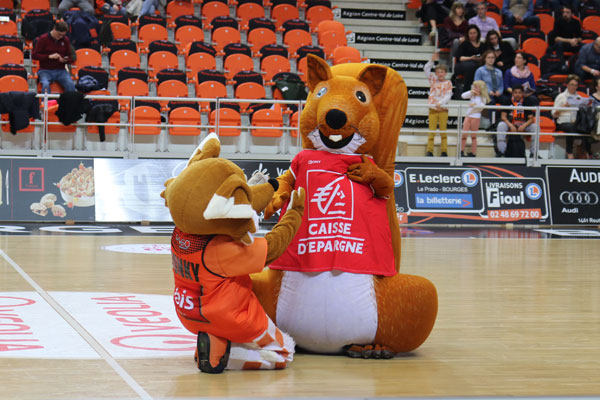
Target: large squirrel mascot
337, 288
213, 252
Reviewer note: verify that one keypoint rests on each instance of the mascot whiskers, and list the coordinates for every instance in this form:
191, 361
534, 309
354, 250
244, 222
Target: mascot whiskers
213, 252
337, 288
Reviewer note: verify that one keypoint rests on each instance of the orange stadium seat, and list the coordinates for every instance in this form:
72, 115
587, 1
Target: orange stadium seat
302, 69
123, 58
160, 60
223, 36
210, 90
120, 30
330, 25
85, 57
282, 12
227, 117
267, 118
149, 33
274, 64
495, 16
27, 5
247, 11
11, 55
146, 115
177, 8
197, 62
211, 10
184, 116
131, 87
316, 14
296, 38
236, 63
9, 28
171, 88
535, 46
592, 23
547, 125
187, 34
546, 23
330, 40
249, 91
259, 37
346, 54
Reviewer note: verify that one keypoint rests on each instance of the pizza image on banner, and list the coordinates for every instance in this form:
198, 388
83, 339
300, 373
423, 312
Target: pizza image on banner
344, 226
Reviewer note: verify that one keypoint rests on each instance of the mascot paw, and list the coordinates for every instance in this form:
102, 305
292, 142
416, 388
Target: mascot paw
369, 351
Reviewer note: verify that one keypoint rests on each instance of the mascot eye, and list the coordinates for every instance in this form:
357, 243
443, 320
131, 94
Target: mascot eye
321, 91
361, 96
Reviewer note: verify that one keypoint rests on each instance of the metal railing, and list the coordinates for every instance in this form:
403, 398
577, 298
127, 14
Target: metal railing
457, 110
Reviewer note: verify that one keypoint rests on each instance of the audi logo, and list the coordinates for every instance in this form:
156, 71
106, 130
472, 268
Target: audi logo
579, 198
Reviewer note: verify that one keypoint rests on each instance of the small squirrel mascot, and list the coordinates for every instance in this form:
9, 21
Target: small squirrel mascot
337, 288
213, 252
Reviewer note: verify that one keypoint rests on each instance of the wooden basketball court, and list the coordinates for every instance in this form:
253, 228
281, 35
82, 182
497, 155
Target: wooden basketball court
518, 316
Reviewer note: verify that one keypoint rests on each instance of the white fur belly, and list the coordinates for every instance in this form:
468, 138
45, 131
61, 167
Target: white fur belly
325, 311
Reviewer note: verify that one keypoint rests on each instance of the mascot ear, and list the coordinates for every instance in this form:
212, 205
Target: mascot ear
231, 200
318, 70
373, 76
163, 194
210, 147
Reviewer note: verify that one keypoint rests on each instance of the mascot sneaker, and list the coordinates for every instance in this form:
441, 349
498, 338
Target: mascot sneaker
212, 353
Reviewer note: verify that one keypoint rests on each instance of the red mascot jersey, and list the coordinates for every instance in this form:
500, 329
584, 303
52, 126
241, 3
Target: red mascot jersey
344, 226
213, 291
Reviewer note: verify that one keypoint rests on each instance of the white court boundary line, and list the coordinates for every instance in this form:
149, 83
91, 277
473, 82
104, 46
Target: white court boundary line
79, 329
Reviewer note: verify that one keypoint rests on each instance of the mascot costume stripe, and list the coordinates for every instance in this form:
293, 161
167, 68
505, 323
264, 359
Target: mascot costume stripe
337, 287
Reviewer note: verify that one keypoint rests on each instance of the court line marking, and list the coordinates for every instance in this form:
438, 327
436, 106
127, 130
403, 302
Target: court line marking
79, 329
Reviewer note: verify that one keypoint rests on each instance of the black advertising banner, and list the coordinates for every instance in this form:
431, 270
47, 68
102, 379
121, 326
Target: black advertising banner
470, 194
574, 195
400, 65
415, 92
358, 13
384, 38
47, 190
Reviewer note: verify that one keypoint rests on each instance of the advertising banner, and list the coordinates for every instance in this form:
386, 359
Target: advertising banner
129, 190
360, 13
574, 195
400, 65
384, 38
470, 194
47, 189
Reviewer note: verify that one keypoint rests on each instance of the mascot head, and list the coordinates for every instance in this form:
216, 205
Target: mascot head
211, 195
354, 109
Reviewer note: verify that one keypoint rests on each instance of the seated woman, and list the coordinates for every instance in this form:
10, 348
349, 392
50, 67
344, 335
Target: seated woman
454, 29
433, 12
505, 54
468, 57
520, 74
491, 75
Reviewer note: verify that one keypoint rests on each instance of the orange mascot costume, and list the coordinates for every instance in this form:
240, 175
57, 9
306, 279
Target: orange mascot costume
214, 251
337, 288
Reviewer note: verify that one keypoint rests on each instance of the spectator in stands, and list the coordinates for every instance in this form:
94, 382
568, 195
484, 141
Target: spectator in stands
468, 57
478, 97
491, 75
151, 6
53, 51
505, 54
84, 5
515, 120
596, 95
520, 12
432, 12
566, 34
454, 29
440, 93
112, 7
520, 75
482, 22
565, 120
588, 62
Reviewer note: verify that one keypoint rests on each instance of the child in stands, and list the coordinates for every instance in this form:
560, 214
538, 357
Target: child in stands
440, 93
479, 97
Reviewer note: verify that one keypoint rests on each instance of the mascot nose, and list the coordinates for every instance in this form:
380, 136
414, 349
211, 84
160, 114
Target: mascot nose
336, 118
